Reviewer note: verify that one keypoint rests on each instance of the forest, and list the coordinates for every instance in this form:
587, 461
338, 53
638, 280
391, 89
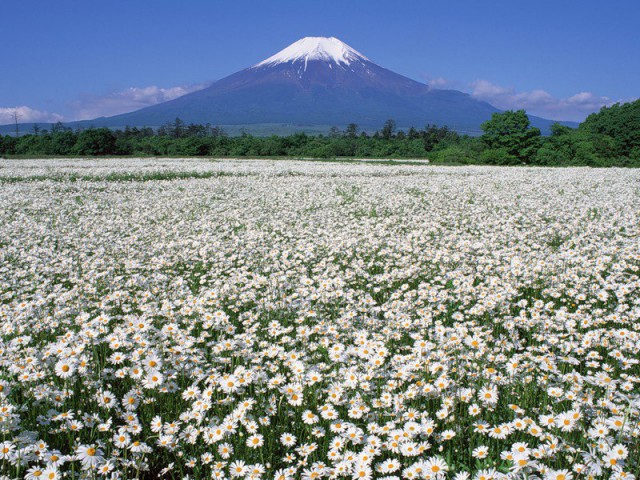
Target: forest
608, 138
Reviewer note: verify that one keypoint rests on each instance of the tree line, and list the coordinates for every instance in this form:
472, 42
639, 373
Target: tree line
610, 137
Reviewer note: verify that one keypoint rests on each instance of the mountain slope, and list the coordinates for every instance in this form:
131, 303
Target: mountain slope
318, 93
316, 81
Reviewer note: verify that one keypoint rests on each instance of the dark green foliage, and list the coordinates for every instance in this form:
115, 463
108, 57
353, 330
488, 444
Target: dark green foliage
615, 130
95, 142
388, 129
8, 145
351, 131
499, 156
608, 138
62, 142
509, 138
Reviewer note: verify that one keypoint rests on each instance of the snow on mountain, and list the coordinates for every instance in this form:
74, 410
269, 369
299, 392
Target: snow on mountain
315, 48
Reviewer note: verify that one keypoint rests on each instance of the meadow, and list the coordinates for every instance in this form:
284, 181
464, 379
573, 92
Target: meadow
198, 318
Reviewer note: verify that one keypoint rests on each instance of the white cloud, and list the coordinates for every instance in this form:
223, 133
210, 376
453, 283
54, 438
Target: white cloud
439, 82
128, 100
27, 115
540, 102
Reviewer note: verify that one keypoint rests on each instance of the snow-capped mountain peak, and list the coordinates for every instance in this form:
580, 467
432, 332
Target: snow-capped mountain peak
316, 48
316, 81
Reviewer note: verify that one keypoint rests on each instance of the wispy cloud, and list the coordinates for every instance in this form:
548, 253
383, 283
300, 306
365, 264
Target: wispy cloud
442, 83
540, 102
439, 82
27, 115
536, 102
128, 100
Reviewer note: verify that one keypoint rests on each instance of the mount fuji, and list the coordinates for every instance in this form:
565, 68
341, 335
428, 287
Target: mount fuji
316, 81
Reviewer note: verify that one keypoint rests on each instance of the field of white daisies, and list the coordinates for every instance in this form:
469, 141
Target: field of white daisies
305, 320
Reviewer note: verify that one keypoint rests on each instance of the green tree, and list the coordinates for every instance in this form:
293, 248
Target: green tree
351, 131
62, 142
334, 132
620, 123
388, 129
58, 127
8, 145
509, 138
177, 128
96, 142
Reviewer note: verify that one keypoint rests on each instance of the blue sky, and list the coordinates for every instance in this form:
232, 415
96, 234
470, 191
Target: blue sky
73, 59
